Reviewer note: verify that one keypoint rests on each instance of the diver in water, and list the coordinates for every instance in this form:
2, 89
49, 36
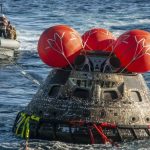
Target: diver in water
3, 26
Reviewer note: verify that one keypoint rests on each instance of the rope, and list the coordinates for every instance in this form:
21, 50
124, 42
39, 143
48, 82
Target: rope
91, 136
103, 136
137, 54
26, 74
20, 122
25, 130
108, 125
23, 127
60, 49
22, 71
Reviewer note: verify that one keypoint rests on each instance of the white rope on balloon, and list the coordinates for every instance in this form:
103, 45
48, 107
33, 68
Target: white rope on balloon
144, 46
76, 36
93, 32
137, 54
60, 49
118, 42
85, 43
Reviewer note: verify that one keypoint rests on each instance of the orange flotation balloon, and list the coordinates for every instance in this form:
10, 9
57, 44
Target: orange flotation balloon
133, 50
59, 45
98, 39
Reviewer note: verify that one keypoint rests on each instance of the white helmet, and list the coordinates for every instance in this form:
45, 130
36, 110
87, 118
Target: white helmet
3, 16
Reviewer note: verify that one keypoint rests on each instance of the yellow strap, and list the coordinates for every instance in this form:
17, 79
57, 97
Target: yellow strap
24, 126
23, 114
35, 118
27, 129
23, 117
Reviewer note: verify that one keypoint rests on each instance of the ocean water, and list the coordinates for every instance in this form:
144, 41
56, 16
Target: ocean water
31, 17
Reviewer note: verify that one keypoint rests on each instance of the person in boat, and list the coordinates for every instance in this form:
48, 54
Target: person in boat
11, 32
3, 26
14, 33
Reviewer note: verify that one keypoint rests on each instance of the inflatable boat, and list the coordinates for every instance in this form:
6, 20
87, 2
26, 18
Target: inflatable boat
8, 47
97, 98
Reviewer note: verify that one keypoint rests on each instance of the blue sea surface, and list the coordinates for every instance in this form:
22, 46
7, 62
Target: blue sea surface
31, 18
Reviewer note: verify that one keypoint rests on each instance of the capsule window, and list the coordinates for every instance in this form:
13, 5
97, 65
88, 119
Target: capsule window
84, 83
81, 93
110, 95
79, 82
54, 91
136, 96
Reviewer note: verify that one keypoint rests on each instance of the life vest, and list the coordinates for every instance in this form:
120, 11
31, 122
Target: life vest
3, 23
11, 33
